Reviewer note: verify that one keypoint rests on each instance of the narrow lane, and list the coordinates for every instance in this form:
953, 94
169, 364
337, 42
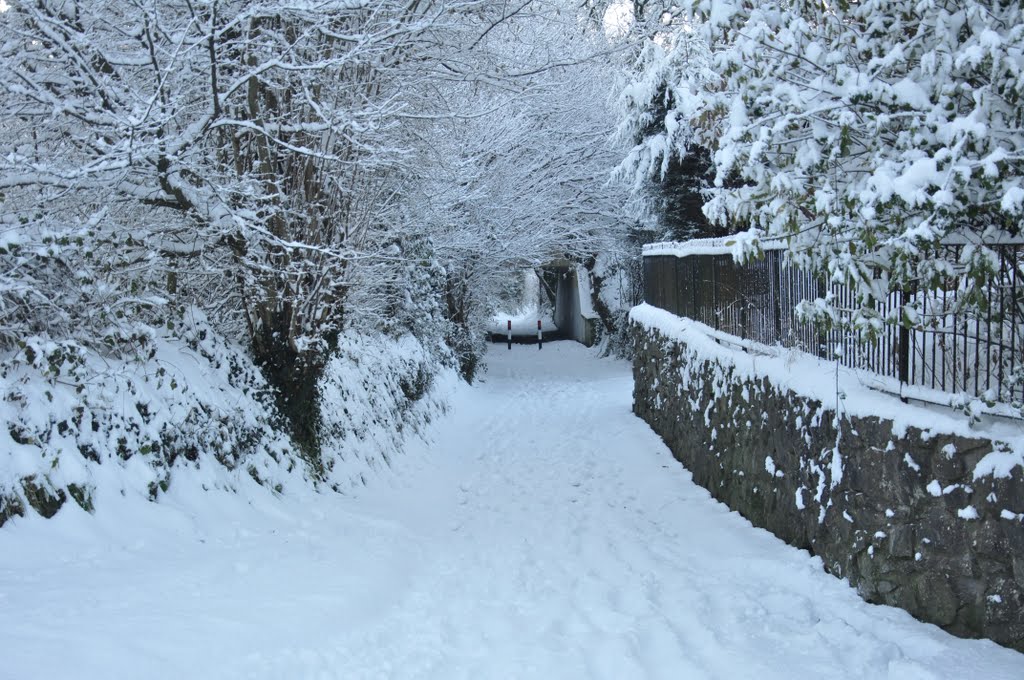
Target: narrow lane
542, 532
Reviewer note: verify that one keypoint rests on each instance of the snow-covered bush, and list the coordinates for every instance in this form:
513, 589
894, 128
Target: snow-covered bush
864, 133
375, 390
616, 283
78, 424
868, 134
659, 100
76, 421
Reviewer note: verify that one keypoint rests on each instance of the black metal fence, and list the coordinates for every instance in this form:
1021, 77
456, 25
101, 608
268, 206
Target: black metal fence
977, 349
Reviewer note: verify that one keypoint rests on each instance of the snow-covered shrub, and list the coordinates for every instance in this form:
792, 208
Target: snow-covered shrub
616, 282
171, 397
660, 101
78, 423
869, 134
375, 390
668, 168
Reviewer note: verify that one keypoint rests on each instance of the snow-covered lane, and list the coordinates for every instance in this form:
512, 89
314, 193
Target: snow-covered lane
544, 532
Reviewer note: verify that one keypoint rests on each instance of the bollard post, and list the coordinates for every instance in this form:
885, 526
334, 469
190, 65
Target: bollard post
540, 335
510, 333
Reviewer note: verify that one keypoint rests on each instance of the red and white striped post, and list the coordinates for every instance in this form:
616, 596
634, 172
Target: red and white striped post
510, 333
540, 335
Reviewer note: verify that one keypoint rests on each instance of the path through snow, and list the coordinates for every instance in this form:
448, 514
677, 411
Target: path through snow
543, 533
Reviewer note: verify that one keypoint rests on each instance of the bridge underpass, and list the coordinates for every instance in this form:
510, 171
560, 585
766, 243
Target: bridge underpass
568, 314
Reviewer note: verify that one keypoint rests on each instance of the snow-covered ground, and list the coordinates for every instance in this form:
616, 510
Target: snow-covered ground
544, 532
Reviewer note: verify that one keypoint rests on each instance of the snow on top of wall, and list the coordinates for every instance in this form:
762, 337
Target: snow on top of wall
737, 245
816, 378
745, 243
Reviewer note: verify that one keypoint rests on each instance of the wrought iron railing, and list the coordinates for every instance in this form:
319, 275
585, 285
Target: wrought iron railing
974, 349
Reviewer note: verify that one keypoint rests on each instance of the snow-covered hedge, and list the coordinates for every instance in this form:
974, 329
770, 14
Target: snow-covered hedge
78, 424
76, 421
375, 390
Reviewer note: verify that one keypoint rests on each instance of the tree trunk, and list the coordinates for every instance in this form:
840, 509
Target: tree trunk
293, 375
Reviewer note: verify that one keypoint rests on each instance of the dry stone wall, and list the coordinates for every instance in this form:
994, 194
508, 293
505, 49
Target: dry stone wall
898, 512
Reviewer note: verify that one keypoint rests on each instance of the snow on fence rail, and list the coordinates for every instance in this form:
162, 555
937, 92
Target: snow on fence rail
708, 246
954, 349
